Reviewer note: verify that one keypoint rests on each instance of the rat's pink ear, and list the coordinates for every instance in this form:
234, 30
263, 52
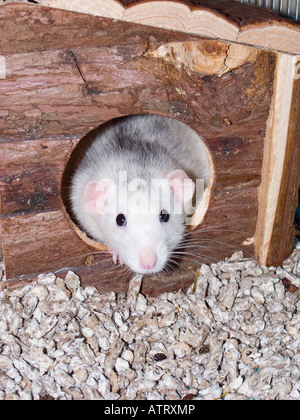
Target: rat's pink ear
181, 185
94, 196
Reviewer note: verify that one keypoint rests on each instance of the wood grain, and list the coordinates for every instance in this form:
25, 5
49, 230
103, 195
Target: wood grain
30, 181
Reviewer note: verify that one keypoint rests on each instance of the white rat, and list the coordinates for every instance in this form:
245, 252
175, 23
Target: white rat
115, 199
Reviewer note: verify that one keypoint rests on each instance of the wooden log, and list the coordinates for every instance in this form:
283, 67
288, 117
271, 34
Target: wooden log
217, 19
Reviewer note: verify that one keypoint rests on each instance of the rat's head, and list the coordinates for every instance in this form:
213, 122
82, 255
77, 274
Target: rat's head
142, 222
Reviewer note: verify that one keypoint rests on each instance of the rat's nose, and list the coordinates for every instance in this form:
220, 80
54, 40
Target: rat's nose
148, 259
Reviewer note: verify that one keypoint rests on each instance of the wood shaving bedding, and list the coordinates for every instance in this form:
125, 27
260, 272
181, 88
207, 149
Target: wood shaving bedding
235, 335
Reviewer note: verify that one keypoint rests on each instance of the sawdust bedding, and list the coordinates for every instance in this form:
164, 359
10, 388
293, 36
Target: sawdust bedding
235, 335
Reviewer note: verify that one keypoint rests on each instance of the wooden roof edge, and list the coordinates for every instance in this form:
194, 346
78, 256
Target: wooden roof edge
230, 21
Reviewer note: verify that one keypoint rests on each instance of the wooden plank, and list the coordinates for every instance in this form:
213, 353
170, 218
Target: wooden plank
275, 160
283, 233
66, 30
217, 19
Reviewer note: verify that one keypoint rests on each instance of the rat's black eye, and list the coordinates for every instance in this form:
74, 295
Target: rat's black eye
121, 220
164, 216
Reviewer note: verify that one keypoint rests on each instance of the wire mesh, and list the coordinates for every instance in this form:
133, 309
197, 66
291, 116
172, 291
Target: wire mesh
289, 8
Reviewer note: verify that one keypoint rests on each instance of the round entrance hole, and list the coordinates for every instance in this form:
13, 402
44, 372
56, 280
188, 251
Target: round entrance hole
136, 151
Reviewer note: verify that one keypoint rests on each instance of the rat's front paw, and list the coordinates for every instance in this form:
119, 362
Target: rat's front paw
115, 256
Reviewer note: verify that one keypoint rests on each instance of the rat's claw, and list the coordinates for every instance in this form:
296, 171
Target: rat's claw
114, 256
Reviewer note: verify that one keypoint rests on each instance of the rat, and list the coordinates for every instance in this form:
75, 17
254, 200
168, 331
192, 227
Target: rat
134, 186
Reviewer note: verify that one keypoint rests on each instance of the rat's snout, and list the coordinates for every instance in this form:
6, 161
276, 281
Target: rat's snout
148, 259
